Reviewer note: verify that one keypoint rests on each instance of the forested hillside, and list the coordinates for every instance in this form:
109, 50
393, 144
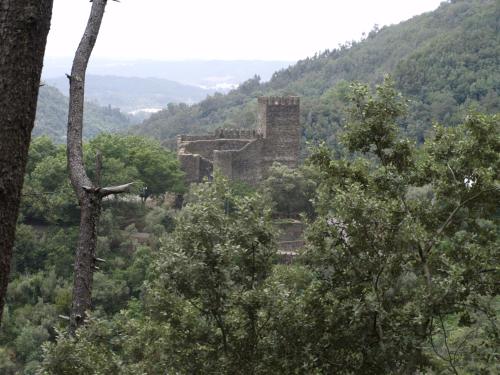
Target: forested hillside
52, 116
394, 267
444, 61
398, 274
133, 94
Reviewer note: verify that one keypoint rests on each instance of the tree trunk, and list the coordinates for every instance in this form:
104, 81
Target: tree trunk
90, 207
88, 200
89, 194
24, 25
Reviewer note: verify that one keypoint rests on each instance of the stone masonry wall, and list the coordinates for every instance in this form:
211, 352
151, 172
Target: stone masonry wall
206, 148
230, 133
246, 154
195, 167
243, 164
280, 126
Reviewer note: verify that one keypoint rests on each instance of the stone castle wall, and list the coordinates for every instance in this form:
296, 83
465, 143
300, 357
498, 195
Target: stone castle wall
206, 148
195, 167
279, 124
245, 154
244, 164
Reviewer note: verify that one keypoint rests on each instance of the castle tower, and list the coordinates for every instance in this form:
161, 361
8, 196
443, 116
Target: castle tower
279, 125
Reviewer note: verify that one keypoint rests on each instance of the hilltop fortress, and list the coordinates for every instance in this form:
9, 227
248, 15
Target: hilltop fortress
243, 154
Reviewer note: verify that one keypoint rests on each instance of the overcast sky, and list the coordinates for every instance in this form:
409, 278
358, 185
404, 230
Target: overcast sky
224, 29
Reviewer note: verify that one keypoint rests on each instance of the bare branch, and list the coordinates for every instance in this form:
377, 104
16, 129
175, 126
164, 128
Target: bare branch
120, 189
445, 336
452, 173
447, 222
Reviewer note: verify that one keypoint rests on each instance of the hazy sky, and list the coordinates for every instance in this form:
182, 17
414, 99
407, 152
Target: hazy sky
224, 29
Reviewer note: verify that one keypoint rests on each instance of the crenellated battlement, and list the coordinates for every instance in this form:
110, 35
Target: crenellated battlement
279, 100
192, 138
234, 133
220, 133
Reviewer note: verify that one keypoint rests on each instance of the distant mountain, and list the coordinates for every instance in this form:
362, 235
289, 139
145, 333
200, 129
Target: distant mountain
52, 116
132, 94
218, 75
444, 61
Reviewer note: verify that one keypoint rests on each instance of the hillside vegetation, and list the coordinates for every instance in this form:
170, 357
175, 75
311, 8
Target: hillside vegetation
399, 264
52, 117
133, 94
444, 61
398, 274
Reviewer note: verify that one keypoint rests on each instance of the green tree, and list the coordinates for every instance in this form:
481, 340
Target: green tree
399, 273
214, 264
48, 196
145, 159
404, 240
205, 307
40, 148
7, 366
291, 190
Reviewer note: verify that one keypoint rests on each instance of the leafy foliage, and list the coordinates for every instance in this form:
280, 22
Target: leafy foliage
400, 269
291, 191
399, 273
48, 196
140, 158
404, 241
215, 264
42, 268
204, 306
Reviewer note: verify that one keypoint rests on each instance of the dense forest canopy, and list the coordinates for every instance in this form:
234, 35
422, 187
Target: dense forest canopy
444, 62
398, 196
398, 274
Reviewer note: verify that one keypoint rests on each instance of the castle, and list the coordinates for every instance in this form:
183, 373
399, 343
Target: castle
246, 155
